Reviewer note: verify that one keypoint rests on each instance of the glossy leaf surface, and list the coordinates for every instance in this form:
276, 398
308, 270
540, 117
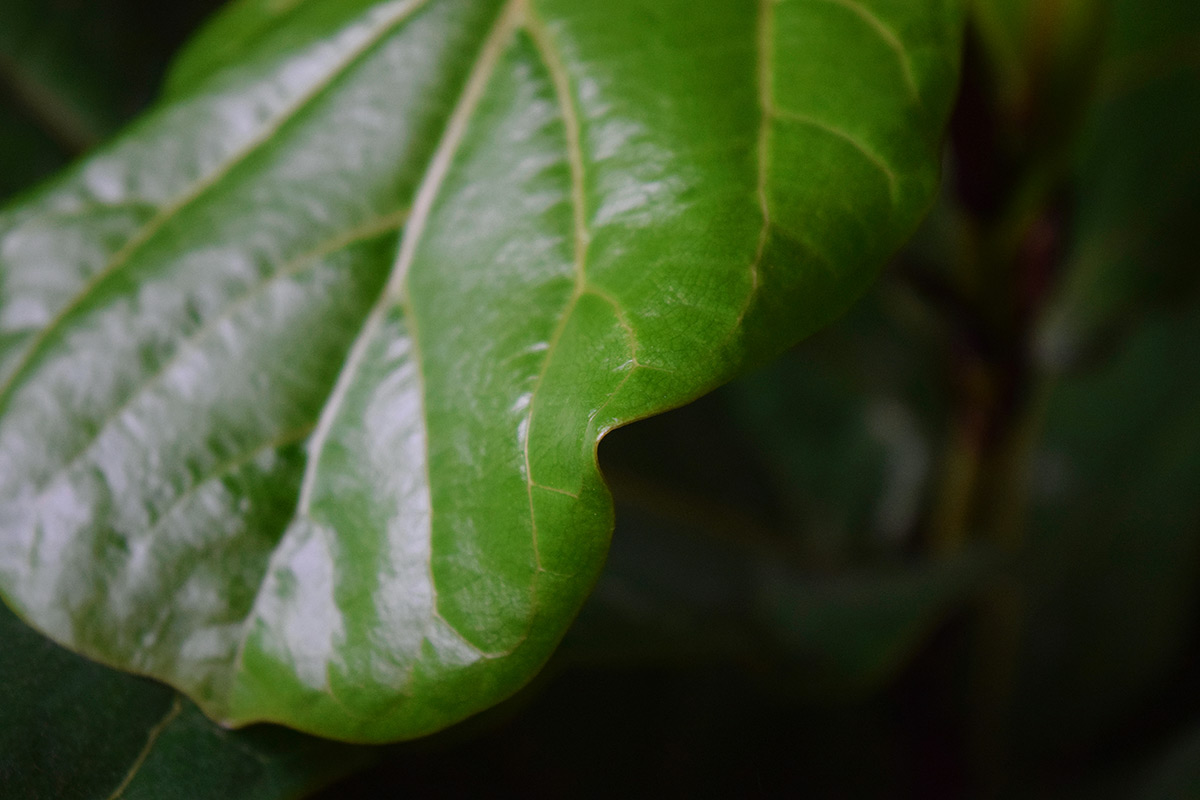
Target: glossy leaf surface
301, 379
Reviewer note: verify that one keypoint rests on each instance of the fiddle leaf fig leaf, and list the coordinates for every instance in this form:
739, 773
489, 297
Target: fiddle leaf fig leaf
302, 377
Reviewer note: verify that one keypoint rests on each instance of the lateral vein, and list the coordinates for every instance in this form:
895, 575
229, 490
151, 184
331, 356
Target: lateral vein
889, 38
151, 739
292, 269
765, 50
122, 255
565, 96
427, 194
866, 152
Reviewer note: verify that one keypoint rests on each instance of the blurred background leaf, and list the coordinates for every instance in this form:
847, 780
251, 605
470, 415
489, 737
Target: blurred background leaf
1114, 556
1115, 549
73, 71
1138, 197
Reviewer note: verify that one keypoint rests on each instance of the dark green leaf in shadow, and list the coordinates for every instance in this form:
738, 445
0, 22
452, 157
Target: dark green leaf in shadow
674, 593
1175, 775
54, 67
848, 427
1114, 551
852, 632
54, 101
73, 730
27, 154
1138, 195
72, 72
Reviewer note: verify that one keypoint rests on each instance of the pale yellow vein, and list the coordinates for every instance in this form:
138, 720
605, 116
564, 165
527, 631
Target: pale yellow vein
565, 97
765, 54
564, 93
889, 38
865, 151
230, 465
394, 292
427, 194
151, 739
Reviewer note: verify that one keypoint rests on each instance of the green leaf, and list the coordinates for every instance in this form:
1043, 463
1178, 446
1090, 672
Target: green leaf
1135, 240
75, 729
301, 379
1113, 548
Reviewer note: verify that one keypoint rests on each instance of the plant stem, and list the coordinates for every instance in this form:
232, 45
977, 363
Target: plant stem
63, 124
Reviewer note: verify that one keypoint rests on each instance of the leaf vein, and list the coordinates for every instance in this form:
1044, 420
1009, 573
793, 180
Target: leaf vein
864, 150
292, 269
889, 37
765, 55
395, 291
564, 93
122, 255
427, 194
151, 739
230, 465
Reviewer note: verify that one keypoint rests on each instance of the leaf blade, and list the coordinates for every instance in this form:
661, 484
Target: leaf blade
610, 220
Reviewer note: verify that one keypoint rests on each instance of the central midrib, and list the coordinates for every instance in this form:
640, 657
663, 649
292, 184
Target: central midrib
394, 292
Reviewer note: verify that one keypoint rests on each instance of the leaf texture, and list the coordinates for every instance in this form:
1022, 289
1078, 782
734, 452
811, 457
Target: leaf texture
302, 378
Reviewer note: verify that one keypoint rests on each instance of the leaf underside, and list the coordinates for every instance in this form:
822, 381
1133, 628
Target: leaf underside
302, 378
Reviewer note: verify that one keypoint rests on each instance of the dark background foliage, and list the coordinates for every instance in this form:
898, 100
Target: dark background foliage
947, 548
